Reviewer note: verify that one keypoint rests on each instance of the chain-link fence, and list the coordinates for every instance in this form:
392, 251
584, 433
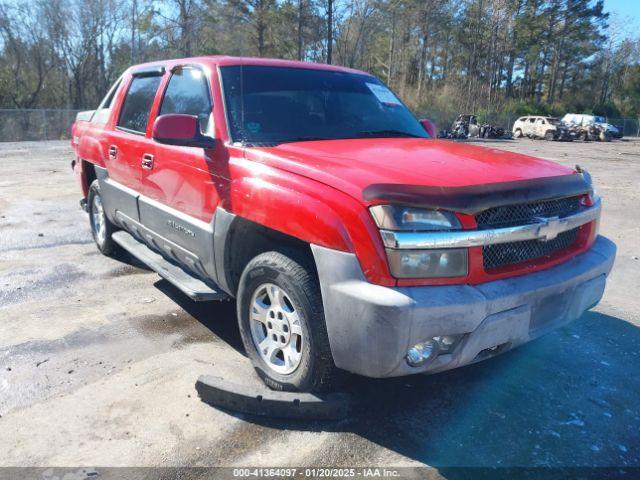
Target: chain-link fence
35, 124
630, 126
55, 124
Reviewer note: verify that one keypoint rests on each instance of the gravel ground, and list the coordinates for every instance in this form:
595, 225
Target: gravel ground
98, 357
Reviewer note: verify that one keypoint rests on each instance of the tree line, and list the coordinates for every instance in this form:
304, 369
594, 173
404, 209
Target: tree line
520, 56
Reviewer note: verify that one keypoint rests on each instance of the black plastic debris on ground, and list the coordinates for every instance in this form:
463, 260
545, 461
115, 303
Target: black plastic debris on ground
220, 393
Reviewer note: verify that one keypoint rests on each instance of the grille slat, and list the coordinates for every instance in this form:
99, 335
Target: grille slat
502, 254
525, 213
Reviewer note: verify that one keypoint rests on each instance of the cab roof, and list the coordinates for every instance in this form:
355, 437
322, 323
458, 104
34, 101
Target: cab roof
225, 60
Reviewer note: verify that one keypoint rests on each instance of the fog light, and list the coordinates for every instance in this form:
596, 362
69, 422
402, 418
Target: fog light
426, 351
446, 343
421, 353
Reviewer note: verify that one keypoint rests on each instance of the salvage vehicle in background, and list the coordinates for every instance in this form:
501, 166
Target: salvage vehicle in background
590, 132
549, 128
602, 128
465, 126
488, 130
350, 237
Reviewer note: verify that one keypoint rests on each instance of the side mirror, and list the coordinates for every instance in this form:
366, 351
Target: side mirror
180, 130
430, 127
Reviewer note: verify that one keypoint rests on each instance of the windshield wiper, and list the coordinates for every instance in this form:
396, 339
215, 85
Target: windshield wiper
386, 133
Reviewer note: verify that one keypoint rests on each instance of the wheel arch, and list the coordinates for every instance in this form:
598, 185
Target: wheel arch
238, 240
87, 176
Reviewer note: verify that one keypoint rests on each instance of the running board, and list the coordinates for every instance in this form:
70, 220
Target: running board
191, 286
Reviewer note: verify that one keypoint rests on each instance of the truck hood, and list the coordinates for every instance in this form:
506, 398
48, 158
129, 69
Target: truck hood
351, 165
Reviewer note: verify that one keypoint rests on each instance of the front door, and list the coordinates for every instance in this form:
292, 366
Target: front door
179, 184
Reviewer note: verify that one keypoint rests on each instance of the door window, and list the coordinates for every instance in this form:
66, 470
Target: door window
137, 103
188, 93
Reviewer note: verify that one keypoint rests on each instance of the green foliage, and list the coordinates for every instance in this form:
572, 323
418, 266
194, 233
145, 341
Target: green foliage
515, 57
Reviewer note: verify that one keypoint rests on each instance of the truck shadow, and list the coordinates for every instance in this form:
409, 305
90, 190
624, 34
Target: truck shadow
218, 317
567, 399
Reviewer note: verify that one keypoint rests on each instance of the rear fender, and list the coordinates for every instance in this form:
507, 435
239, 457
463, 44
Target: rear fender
86, 141
91, 149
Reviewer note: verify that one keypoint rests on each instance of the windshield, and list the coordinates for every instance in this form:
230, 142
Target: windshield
272, 105
599, 119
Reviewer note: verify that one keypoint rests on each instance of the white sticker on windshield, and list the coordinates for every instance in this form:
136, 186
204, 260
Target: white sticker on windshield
383, 94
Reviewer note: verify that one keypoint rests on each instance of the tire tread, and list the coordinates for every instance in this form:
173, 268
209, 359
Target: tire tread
296, 265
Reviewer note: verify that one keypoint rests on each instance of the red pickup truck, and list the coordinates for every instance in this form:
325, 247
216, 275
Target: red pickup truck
350, 237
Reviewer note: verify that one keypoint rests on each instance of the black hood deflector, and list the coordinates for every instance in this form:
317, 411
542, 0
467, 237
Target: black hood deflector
476, 198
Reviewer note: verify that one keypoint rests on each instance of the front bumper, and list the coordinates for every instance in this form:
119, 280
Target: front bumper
371, 327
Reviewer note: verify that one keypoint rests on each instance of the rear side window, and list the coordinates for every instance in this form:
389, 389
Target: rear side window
137, 103
188, 93
104, 110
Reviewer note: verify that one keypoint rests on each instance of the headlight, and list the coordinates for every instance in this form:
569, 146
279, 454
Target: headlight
393, 217
424, 263
428, 263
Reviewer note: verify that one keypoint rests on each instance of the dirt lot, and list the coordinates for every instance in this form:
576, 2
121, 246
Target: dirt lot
98, 357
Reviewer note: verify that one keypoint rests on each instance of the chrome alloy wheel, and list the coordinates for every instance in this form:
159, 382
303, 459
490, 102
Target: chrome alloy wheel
276, 328
99, 222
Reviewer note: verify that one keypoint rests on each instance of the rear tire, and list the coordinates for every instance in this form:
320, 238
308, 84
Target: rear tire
282, 323
101, 227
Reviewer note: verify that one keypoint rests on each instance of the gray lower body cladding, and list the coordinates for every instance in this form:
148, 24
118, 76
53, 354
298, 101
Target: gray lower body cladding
183, 239
371, 327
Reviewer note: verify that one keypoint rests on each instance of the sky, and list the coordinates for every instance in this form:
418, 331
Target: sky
627, 12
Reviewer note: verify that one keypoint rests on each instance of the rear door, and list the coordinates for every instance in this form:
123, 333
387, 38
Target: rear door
181, 186
127, 142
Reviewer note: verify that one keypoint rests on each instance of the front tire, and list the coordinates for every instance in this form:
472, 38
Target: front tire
517, 133
282, 323
101, 227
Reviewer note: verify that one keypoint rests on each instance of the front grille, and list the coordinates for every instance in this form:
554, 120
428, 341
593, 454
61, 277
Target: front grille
501, 254
526, 213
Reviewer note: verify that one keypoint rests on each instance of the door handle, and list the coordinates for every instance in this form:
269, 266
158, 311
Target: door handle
113, 152
147, 161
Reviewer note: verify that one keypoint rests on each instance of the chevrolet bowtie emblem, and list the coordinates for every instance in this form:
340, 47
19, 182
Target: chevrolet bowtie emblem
549, 227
